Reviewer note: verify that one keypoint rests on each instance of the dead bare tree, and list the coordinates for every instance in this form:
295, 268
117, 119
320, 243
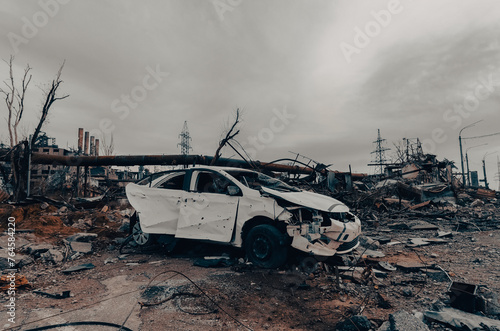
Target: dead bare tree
399, 156
230, 134
108, 148
20, 152
50, 98
14, 99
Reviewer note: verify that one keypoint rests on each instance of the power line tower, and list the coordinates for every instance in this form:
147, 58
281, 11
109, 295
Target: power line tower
379, 152
185, 140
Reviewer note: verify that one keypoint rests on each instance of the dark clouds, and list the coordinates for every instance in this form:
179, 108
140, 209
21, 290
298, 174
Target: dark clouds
261, 56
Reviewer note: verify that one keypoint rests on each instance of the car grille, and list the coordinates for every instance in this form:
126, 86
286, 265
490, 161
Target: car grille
348, 246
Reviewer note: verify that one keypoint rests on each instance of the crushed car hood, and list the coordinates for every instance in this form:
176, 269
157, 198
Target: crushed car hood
310, 199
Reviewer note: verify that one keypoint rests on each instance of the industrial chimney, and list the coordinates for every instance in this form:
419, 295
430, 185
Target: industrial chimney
92, 145
96, 152
80, 140
86, 143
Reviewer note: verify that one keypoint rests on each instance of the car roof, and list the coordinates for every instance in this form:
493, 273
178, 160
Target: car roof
198, 167
202, 167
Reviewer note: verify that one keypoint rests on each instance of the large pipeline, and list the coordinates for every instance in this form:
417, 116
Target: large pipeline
167, 160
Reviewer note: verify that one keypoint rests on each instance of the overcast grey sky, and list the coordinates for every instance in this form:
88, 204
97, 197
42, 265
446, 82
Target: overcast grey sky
315, 77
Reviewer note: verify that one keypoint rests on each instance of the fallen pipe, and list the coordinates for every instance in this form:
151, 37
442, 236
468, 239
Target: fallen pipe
168, 160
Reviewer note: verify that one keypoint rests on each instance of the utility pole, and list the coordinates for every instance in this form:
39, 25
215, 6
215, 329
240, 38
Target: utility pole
484, 173
484, 169
467, 161
461, 154
468, 171
379, 152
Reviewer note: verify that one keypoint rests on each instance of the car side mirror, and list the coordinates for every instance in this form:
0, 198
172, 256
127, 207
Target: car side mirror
233, 190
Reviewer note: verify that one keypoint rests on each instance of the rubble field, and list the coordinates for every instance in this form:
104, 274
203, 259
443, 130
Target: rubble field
79, 267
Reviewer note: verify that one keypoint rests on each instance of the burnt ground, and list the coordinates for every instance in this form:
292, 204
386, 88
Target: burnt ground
153, 290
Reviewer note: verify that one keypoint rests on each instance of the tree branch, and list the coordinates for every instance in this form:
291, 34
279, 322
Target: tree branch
9, 99
229, 135
20, 101
49, 100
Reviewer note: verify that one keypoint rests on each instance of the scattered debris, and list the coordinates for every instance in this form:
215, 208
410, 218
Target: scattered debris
457, 319
444, 234
437, 275
82, 237
411, 266
387, 266
402, 321
424, 226
3, 195
355, 323
64, 295
86, 266
214, 262
417, 242
7, 282
81, 247
398, 265
370, 253
52, 256
37, 250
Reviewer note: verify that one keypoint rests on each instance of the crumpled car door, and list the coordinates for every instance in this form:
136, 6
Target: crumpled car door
158, 208
207, 216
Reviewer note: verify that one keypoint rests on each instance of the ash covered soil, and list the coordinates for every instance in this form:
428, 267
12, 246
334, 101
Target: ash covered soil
155, 290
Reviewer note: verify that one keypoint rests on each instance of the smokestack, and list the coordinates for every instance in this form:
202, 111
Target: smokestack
80, 140
92, 146
97, 147
86, 143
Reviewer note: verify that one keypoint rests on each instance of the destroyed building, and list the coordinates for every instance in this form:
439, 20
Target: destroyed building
399, 274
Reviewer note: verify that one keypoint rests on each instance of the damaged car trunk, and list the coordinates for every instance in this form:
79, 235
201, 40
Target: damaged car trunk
243, 208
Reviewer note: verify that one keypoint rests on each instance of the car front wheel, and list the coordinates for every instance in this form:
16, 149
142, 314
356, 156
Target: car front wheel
265, 247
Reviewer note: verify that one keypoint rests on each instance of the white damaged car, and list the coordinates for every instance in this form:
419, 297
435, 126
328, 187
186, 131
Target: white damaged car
242, 208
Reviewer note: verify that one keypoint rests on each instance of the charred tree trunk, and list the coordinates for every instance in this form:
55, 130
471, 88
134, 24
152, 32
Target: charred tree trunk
20, 168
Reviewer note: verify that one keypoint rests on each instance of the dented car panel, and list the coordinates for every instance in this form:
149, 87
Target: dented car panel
224, 205
256, 206
310, 199
159, 208
207, 216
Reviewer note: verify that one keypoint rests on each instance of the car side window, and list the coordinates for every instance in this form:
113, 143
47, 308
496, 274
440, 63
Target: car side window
209, 182
173, 183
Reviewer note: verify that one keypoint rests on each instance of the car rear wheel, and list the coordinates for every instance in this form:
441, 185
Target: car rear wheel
265, 246
140, 237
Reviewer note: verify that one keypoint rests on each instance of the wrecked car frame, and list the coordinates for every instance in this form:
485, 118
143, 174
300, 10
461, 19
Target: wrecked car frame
243, 208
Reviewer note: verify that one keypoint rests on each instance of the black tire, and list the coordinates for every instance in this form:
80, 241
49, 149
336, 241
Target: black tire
141, 238
266, 247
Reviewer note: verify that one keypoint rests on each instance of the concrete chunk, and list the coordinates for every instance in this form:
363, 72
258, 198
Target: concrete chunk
52, 256
355, 323
404, 321
81, 247
37, 250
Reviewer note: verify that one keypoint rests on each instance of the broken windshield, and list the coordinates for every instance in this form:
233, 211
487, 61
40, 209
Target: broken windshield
255, 180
